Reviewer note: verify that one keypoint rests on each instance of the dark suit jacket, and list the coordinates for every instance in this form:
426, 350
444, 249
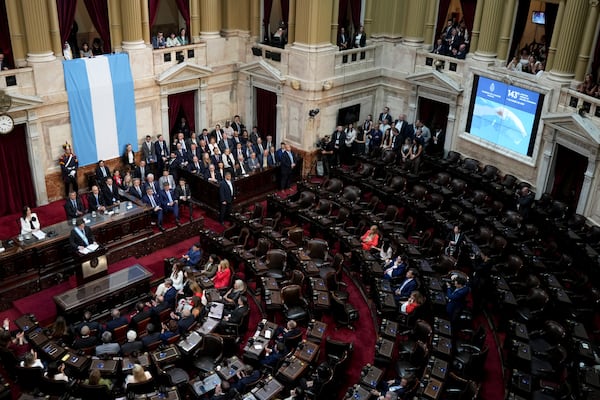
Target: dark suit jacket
407, 289
363, 40
133, 191
93, 204
151, 338
138, 173
83, 342
139, 317
179, 191
146, 199
230, 143
115, 323
170, 296
100, 176
456, 300
158, 148
75, 240
109, 194
225, 194
72, 211
154, 186
237, 314
286, 163
185, 323
164, 199
130, 347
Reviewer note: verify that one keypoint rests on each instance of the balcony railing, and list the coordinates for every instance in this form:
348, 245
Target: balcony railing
426, 60
170, 56
572, 100
355, 59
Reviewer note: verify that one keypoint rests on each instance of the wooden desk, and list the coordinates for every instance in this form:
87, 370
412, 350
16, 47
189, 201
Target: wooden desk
442, 346
255, 347
293, 370
125, 286
167, 355
75, 361
271, 388
25, 323
433, 389
52, 351
246, 188
307, 351
106, 367
372, 376
33, 265
231, 366
316, 331
127, 363
360, 393
384, 348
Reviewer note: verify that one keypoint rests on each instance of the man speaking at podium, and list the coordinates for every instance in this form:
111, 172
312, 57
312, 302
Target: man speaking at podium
82, 238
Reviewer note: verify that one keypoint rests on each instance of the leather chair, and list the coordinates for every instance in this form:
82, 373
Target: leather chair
342, 217
120, 333
550, 364
532, 307
551, 335
469, 167
364, 171
336, 266
421, 332
296, 235
51, 387
507, 184
343, 312
414, 362
469, 362
276, 262
241, 240
29, 378
458, 388
335, 287
291, 342
209, 354
9, 361
145, 387
350, 195
439, 181
451, 160
395, 184
483, 237
305, 200
457, 188
489, 174
296, 278
373, 203
262, 247
388, 157
295, 305
323, 207
236, 329
331, 187
93, 392
338, 353
318, 251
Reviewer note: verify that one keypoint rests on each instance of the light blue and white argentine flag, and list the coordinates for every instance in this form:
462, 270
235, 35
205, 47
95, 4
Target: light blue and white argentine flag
102, 106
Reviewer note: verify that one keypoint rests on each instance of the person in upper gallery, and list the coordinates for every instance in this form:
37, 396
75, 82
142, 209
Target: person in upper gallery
183, 194
343, 41
370, 238
172, 40
360, 37
96, 200
226, 195
385, 115
29, 221
102, 172
74, 206
409, 285
136, 190
110, 191
153, 200
182, 38
129, 156
223, 275
69, 165
525, 200
159, 41
288, 163
81, 236
237, 124
3, 62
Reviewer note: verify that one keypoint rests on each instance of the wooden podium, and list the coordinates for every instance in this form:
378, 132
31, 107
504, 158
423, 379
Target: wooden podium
91, 266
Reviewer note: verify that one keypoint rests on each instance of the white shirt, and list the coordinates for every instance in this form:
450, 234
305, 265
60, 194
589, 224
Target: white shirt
26, 226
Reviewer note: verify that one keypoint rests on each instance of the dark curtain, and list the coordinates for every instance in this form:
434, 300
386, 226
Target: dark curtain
268, 5
66, 16
16, 172
285, 11
152, 11
6, 47
184, 103
266, 113
98, 12
569, 174
443, 13
596, 60
551, 12
342, 14
520, 23
355, 6
184, 9
468, 9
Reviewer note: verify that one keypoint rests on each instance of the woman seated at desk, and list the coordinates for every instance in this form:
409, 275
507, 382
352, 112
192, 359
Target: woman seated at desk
138, 374
29, 222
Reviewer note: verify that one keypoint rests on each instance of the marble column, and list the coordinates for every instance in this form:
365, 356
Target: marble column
54, 28
37, 27
555, 36
116, 29
488, 37
334, 21
210, 19
255, 18
506, 30
313, 21
430, 23
292, 23
235, 15
367, 23
194, 21
385, 26
476, 26
17, 35
571, 35
133, 37
415, 23
146, 22
585, 48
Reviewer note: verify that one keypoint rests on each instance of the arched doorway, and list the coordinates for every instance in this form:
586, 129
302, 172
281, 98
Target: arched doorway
569, 170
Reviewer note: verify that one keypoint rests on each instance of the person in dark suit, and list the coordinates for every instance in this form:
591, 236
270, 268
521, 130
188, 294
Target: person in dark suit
455, 241
291, 330
170, 293
237, 125
226, 194
436, 147
102, 172
385, 115
141, 171
96, 200
81, 236
272, 356
456, 296
153, 200
74, 206
184, 195
141, 313
343, 41
241, 167
185, 320
225, 143
116, 321
153, 335
85, 339
169, 202
288, 163
161, 150
87, 320
137, 190
151, 183
524, 202
409, 284
237, 315
360, 37
212, 175
110, 192
132, 345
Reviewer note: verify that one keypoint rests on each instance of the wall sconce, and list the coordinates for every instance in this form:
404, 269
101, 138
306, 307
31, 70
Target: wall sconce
313, 113
295, 84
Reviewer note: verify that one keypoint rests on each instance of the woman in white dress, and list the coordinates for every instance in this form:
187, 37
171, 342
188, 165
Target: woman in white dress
29, 221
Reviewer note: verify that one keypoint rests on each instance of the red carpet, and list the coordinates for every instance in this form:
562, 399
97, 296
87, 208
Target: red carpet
492, 387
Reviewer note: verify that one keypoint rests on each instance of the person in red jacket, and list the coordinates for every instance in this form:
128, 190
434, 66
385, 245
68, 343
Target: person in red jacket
223, 276
370, 239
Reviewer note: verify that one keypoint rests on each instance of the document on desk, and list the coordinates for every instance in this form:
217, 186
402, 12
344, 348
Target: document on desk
39, 234
92, 247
